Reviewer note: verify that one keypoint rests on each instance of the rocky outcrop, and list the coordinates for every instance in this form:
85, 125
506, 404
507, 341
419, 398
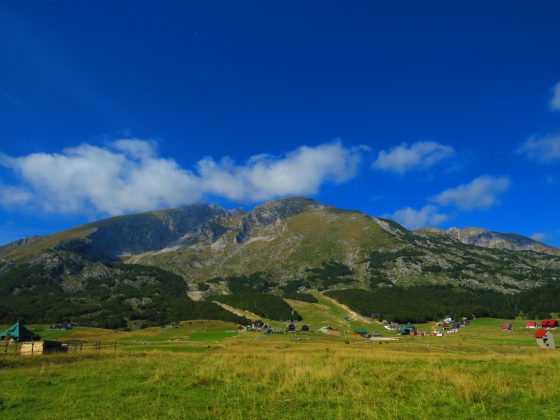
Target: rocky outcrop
488, 239
128, 235
273, 212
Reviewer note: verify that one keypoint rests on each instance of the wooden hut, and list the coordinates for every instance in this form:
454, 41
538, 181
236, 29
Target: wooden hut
531, 324
33, 348
545, 339
507, 326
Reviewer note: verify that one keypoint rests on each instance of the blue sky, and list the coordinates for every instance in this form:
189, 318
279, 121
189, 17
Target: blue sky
434, 113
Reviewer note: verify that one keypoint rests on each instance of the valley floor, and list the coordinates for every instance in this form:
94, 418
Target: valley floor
206, 369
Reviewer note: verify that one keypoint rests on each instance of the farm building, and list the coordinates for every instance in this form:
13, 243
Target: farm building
31, 348
361, 332
549, 323
18, 332
507, 326
531, 324
545, 339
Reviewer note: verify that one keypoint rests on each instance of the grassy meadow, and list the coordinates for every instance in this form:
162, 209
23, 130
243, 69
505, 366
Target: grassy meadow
206, 369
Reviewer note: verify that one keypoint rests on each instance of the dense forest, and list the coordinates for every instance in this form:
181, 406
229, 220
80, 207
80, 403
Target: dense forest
426, 303
265, 305
34, 293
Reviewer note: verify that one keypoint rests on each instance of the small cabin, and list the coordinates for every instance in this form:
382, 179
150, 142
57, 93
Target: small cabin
531, 324
34, 348
545, 339
549, 323
361, 333
507, 326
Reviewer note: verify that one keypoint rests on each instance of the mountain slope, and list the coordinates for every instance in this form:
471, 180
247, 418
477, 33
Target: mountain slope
111, 238
296, 243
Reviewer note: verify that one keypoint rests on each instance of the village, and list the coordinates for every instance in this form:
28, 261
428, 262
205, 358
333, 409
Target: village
19, 339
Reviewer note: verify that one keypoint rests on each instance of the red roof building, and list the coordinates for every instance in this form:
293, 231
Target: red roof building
531, 324
541, 333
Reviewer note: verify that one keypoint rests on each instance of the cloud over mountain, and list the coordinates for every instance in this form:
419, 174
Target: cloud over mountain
414, 219
129, 175
480, 193
420, 155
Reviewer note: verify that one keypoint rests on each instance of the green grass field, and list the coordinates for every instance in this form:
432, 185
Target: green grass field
206, 369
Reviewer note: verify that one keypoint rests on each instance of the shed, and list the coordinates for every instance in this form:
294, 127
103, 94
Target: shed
19, 333
305, 328
531, 324
361, 332
507, 326
545, 339
552, 323
33, 348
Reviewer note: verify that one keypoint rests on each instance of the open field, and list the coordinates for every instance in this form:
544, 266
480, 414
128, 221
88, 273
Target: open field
205, 369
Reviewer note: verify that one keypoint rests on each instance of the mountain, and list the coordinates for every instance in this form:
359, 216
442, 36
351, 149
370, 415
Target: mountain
148, 266
488, 239
301, 241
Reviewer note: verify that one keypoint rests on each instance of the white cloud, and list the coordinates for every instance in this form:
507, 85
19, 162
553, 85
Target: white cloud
128, 175
302, 171
12, 196
414, 219
539, 236
543, 150
420, 155
555, 100
480, 193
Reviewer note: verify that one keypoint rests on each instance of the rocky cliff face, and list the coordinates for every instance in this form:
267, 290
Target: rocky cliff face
488, 239
273, 212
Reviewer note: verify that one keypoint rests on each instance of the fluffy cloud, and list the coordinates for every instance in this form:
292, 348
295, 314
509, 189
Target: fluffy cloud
480, 193
414, 219
420, 155
544, 150
300, 172
555, 100
128, 175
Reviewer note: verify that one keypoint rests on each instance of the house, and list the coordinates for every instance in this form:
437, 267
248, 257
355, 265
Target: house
545, 339
361, 333
531, 324
393, 326
18, 332
507, 326
552, 323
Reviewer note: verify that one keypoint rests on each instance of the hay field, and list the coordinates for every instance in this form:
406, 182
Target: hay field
206, 370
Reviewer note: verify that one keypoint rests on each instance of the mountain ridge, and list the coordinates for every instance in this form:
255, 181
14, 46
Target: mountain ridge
300, 239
